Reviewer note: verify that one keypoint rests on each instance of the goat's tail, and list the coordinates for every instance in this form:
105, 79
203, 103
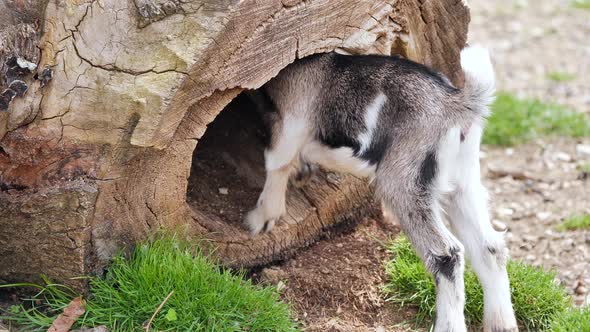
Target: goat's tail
479, 89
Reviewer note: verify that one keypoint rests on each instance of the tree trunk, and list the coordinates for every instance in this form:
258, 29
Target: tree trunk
132, 120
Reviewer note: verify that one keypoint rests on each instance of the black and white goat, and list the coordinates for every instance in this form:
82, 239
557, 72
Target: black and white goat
416, 137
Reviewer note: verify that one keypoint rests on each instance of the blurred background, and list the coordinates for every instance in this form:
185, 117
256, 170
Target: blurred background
536, 157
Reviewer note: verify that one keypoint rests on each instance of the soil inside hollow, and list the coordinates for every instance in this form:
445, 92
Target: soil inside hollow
228, 164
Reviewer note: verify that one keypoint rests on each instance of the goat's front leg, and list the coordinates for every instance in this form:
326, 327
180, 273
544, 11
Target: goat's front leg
271, 203
281, 158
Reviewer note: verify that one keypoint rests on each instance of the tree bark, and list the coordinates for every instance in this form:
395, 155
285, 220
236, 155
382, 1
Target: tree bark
115, 136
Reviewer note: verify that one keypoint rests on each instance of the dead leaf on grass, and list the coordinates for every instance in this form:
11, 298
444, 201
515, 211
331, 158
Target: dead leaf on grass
71, 313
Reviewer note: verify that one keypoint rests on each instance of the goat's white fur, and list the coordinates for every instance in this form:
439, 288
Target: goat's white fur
371, 117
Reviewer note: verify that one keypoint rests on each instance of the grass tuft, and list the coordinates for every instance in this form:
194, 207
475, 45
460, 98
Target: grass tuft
574, 223
581, 4
558, 76
538, 301
205, 297
575, 319
516, 120
584, 168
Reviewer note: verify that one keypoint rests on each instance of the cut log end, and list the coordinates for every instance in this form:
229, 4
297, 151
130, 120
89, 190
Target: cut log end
133, 121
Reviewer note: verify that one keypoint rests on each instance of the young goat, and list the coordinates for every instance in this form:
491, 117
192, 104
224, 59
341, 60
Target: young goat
416, 137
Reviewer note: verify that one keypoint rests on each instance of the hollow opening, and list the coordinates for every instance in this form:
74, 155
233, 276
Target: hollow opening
227, 172
227, 176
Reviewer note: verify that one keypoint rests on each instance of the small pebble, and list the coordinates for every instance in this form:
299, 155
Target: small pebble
499, 226
223, 191
562, 156
580, 289
568, 243
582, 149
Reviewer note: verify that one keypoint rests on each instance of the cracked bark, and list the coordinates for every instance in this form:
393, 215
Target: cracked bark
107, 144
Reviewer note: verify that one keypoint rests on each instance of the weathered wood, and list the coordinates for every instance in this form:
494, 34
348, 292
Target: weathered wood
101, 154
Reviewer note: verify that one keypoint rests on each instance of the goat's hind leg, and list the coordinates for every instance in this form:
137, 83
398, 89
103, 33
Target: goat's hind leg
467, 208
420, 219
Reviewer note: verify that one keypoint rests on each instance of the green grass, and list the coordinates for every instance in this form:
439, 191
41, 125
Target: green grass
558, 76
584, 168
575, 222
538, 301
516, 120
577, 319
205, 298
581, 4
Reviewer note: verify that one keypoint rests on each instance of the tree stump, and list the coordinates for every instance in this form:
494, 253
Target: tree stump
132, 120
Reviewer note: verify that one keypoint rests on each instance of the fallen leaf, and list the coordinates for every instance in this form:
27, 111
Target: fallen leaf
65, 320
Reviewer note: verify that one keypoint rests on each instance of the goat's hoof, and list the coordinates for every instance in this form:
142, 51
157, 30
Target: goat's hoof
303, 175
500, 322
257, 223
499, 328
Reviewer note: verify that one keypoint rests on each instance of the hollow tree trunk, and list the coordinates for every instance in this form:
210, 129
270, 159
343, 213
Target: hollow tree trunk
115, 136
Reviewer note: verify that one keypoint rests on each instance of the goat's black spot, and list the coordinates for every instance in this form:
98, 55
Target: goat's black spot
492, 250
338, 139
374, 154
462, 137
446, 265
427, 171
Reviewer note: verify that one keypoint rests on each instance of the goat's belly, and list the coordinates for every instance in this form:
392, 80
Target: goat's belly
337, 159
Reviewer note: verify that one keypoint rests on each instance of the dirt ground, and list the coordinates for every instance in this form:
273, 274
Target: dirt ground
334, 285
533, 188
